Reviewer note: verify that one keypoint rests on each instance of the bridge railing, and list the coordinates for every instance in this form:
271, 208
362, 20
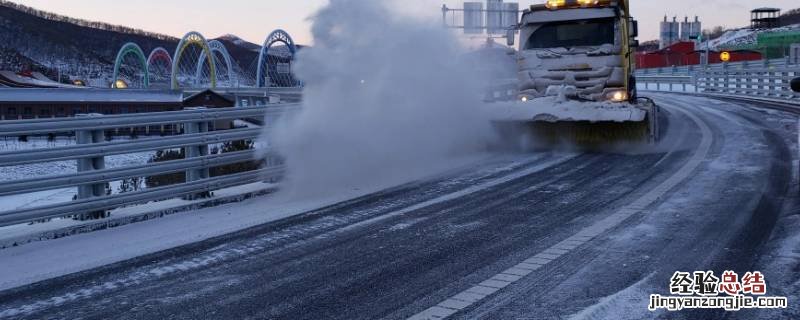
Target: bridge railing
91, 150
780, 63
771, 83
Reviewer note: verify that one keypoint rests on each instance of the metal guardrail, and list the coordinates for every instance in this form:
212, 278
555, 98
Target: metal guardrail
669, 80
763, 83
781, 63
91, 150
94, 204
50, 125
101, 149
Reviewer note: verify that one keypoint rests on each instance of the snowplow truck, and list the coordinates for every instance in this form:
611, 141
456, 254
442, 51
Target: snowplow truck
575, 77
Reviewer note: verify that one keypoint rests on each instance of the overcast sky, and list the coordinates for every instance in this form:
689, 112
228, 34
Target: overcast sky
253, 20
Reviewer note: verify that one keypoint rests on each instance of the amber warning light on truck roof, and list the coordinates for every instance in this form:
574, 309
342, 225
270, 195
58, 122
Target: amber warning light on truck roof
566, 4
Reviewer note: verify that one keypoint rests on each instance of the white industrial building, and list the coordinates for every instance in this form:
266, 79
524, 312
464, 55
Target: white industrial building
674, 31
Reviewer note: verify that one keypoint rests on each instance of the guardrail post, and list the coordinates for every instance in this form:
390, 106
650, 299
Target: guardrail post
193, 127
770, 82
727, 81
90, 164
785, 84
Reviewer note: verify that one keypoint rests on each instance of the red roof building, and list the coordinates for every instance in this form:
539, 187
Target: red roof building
684, 54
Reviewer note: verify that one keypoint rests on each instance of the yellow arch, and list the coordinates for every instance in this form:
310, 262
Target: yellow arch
187, 40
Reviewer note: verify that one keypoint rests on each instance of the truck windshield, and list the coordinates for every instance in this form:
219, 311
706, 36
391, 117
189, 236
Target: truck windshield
568, 34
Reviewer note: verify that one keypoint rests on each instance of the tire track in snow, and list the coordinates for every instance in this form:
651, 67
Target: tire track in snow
295, 235
481, 291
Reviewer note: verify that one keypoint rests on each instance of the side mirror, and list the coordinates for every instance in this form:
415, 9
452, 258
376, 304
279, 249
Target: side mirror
511, 34
796, 84
634, 44
634, 29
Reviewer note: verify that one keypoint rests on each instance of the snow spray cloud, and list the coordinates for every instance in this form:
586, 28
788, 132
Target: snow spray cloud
386, 98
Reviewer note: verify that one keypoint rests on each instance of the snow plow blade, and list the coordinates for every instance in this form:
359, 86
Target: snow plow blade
580, 124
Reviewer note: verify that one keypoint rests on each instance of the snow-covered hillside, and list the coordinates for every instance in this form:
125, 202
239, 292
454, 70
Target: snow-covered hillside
742, 37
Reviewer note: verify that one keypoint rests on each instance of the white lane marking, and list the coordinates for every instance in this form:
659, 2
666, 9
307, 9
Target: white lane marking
511, 275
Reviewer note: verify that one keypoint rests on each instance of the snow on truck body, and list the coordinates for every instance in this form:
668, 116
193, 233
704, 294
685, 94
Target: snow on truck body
574, 77
578, 47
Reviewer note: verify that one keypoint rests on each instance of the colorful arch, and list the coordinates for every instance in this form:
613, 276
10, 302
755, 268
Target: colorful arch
126, 49
217, 46
159, 53
197, 39
276, 36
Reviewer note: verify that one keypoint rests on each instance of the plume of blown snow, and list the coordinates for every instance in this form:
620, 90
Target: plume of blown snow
387, 96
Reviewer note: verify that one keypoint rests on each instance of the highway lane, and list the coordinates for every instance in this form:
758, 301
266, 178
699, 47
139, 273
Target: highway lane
399, 252
716, 221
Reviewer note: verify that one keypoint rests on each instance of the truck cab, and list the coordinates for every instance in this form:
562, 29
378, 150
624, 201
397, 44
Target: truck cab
580, 48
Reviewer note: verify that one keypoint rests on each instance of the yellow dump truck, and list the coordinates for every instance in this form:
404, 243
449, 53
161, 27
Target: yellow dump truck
575, 77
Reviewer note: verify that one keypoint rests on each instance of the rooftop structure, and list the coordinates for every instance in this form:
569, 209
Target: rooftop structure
765, 18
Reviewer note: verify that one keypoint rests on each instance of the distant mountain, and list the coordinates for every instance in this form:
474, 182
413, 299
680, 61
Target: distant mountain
35, 40
239, 42
245, 53
57, 41
790, 17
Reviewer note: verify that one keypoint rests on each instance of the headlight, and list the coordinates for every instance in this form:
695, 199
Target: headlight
617, 96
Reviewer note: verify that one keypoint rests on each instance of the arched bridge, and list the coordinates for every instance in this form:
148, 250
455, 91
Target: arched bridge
197, 63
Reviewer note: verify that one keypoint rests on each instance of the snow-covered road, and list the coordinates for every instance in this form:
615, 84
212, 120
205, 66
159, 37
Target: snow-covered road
608, 230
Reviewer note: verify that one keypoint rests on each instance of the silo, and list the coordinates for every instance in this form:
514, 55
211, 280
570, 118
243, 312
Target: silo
669, 32
686, 29
675, 30
697, 28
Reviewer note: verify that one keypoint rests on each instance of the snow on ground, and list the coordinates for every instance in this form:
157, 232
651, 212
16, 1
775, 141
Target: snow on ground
624, 304
22, 234
35, 199
781, 263
48, 259
60, 167
742, 37
737, 37
15, 202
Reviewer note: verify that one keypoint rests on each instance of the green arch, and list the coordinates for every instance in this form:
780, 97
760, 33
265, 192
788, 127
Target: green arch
126, 49
189, 39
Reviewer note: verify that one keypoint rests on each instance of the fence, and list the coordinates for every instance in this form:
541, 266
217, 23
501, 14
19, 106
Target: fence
92, 149
781, 63
764, 83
